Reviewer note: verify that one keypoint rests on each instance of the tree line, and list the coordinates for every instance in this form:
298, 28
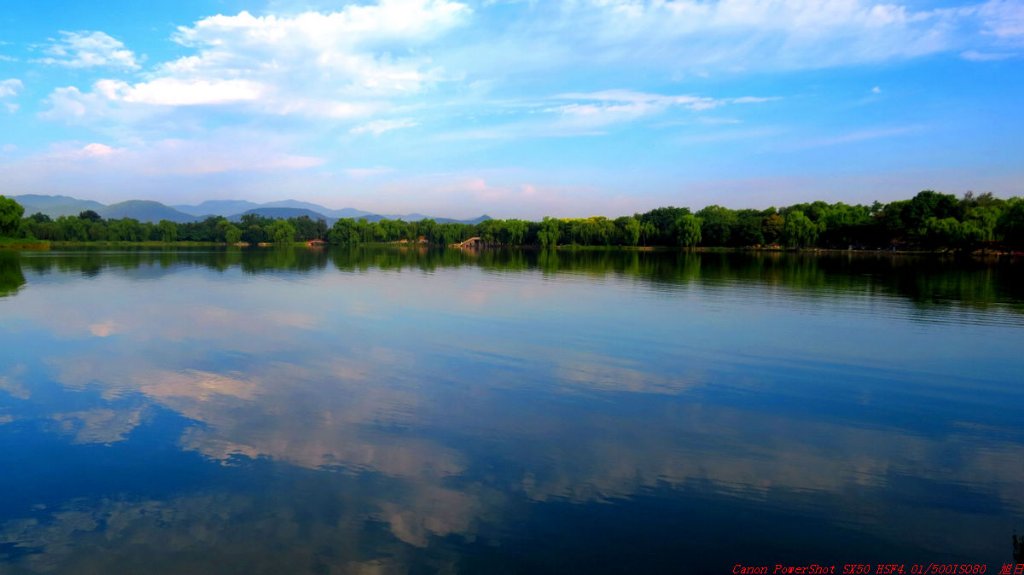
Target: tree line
928, 221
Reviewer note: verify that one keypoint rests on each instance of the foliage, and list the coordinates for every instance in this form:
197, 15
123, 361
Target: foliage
10, 216
930, 220
799, 231
688, 230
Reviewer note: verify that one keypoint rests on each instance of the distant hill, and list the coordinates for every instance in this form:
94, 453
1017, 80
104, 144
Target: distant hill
353, 213
284, 213
56, 206
150, 211
218, 208
473, 221
327, 212
144, 211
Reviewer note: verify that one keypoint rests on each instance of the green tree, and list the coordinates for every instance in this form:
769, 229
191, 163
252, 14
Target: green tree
925, 205
1011, 223
308, 229
125, 229
516, 231
628, 229
168, 231
658, 225
74, 229
982, 220
282, 232
97, 231
944, 232
799, 231
772, 226
345, 232
10, 216
549, 233
90, 215
747, 229
717, 225
232, 234
688, 230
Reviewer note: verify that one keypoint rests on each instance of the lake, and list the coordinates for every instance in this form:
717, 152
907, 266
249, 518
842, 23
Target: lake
420, 411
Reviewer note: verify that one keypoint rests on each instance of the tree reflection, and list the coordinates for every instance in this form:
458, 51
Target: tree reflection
11, 276
928, 281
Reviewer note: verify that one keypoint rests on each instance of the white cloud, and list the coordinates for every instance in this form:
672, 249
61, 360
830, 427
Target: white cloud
378, 127
88, 50
640, 100
604, 108
401, 20
591, 113
73, 153
176, 92
345, 65
976, 56
876, 90
97, 150
10, 87
1003, 19
697, 37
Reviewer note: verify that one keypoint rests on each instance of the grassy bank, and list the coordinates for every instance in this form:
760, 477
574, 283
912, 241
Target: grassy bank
146, 244
23, 244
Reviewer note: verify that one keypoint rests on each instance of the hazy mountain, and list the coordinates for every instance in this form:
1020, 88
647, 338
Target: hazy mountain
55, 206
473, 221
410, 217
354, 214
342, 213
150, 211
218, 208
284, 213
144, 211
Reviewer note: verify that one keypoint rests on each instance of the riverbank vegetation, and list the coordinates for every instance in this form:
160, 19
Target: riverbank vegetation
930, 221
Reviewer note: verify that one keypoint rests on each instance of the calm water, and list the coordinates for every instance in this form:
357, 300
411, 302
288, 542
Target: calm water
420, 412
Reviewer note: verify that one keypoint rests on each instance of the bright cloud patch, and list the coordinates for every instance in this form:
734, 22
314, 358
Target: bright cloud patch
8, 89
738, 35
1004, 19
175, 92
340, 65
596, 109
97, 150
378, 127
88, 50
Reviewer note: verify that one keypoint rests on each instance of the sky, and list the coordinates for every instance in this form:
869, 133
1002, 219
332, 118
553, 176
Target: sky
513, 108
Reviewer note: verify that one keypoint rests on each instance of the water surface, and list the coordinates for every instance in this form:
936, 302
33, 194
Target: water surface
414, 411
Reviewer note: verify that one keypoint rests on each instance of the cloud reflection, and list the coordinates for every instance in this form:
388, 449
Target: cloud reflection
448, 416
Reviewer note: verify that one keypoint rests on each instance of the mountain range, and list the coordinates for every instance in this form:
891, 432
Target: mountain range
150, 211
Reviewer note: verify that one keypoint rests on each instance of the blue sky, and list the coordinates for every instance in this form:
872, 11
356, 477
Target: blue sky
511, 108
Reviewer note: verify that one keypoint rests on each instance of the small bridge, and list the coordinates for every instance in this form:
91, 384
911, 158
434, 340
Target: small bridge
473, 241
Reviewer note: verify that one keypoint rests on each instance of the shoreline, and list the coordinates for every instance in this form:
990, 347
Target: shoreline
15, 244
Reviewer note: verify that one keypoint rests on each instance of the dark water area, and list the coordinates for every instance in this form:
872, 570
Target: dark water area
424, 411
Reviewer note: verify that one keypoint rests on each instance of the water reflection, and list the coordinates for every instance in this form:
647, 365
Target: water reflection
11, 277
928, 281
504, 412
